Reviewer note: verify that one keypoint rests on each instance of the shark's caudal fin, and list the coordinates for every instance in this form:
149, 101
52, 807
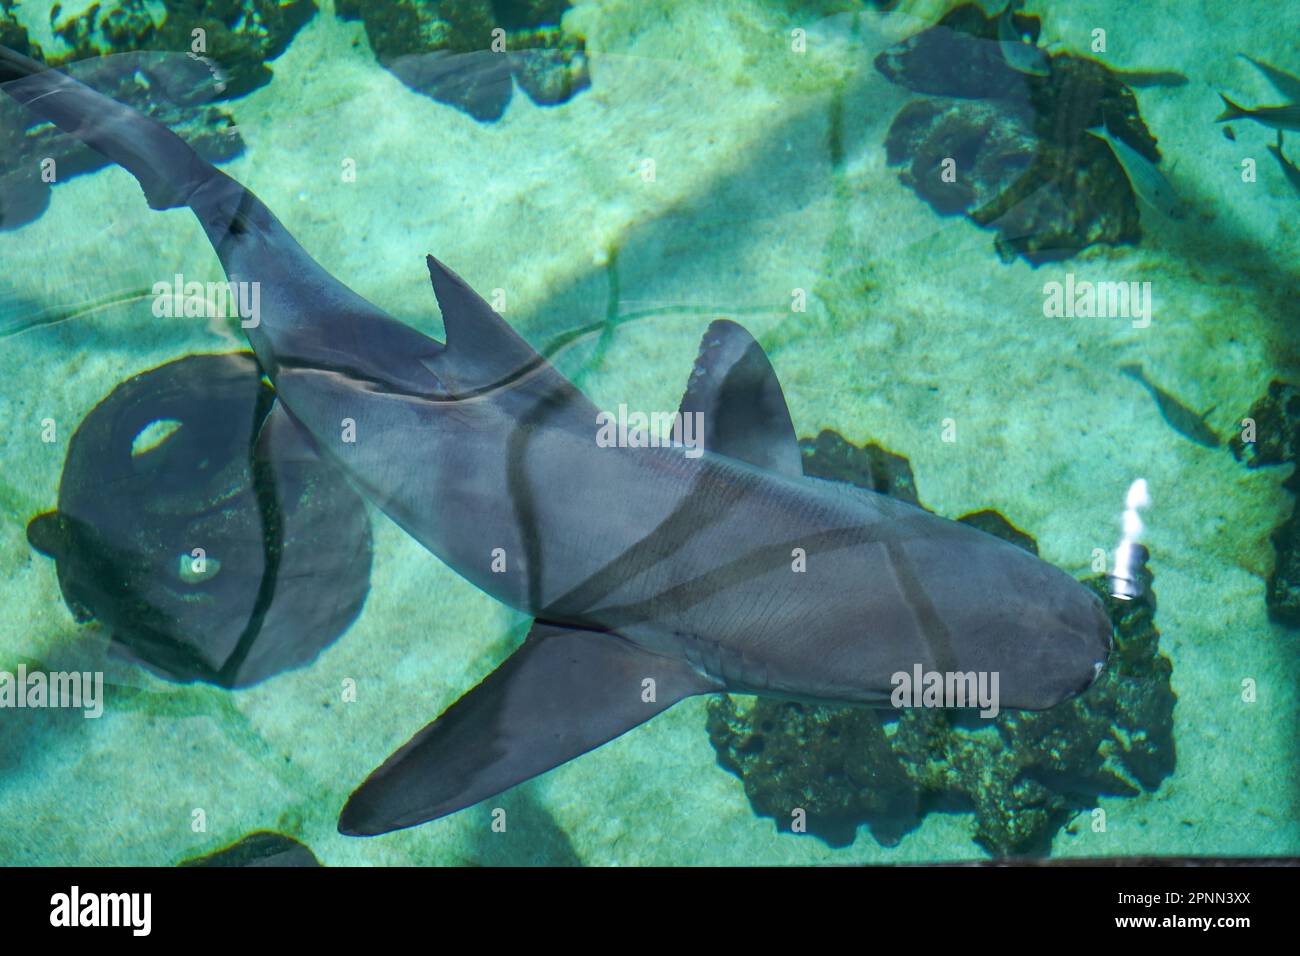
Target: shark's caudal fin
745, 415
251, 243
562, 693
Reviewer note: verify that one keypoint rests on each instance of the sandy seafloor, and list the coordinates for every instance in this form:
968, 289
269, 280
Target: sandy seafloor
911, 319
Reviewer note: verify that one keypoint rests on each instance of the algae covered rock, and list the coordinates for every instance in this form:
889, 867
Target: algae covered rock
172, 88
1024, 775
1274, 431
830, 456
1011, 150
992, 522
239, 36
828, 769
1272, 437
467, 52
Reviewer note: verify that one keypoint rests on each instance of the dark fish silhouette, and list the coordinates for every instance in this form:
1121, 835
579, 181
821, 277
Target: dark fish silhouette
1278, 117
1180, 418
651, 575
1285, 83
1289, 169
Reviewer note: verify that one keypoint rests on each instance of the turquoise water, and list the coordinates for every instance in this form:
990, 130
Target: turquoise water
727, 160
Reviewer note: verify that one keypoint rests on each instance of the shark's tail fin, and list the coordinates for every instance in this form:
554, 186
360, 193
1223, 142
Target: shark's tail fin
166, 166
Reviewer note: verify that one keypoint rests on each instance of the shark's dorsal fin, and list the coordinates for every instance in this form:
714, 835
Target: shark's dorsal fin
483, 352
745, 415
563, 692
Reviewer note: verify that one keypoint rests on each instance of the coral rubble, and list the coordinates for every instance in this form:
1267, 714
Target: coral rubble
465, 52
1009, 149
1275, 419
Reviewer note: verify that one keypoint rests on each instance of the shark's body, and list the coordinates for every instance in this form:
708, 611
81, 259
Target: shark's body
652, 575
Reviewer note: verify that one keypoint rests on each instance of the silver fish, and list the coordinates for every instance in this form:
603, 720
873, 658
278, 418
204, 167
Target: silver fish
1180, 418
1278, 117
1021, 55
1144, 176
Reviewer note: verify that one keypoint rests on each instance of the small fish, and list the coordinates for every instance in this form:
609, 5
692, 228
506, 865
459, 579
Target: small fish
1278, 117
1284, 82
1021, 55
1289, 169
1145, 177
1141, 78
1180, 418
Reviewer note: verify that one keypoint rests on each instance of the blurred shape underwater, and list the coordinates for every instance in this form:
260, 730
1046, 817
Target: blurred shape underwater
211, 550
167, 87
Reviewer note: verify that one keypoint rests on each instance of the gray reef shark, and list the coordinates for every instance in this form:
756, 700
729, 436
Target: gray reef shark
652, 575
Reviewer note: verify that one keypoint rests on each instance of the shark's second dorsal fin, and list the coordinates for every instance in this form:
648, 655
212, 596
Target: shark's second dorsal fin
745, 415
483, 352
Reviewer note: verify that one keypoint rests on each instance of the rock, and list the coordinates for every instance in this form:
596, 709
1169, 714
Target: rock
990, 522
207, 560
834, 764
1276, 418
171, 88
240, 36
445, 49
830, 456
263, 848
1010, 150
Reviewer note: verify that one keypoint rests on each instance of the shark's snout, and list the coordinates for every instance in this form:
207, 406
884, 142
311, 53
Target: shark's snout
1090, 627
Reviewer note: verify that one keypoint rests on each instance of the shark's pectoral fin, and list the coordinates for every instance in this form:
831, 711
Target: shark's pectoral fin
563, 692
745, 415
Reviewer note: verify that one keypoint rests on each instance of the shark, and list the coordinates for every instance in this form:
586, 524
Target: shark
651, 576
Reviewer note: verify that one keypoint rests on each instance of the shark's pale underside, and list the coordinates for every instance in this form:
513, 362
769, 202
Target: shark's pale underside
651, 575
